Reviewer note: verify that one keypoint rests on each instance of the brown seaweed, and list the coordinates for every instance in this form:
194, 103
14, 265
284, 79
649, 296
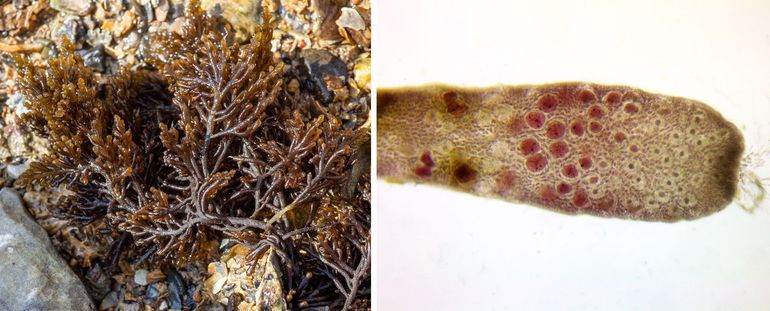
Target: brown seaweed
205, 146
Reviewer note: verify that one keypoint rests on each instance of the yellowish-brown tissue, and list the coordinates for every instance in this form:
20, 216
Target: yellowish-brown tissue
577, 148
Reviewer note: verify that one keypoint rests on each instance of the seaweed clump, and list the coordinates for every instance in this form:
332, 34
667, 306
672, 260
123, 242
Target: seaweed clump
206, 145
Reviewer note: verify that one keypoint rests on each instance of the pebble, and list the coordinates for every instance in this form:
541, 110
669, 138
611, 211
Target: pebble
218, 273
140, 277
93, 58
128, 306
77, 7
176, 288
321, 63
152, 292
363, 73
109, 301
351, 19
243, 15
68, 27
16, 102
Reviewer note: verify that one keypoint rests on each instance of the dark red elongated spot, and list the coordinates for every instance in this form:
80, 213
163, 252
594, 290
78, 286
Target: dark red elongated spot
535, 119
529, 146
422, 171
586, 96
595, 111
558, 149
580, 199
563, 188
612, 97
569, 170
464, 173
577, 127
536, 162
595, 127
620, 136
516, 124
555, 129
585, 163
631, 108
453, 104
426, 159
547, 102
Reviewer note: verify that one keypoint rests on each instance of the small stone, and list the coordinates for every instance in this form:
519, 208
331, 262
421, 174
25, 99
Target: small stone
243, 15
128, 306
140, 277
98, 36
155, 275
218, 277
161, 10
320, 64
69, 27
123, 25
363, 73
16, 102
77, 7
109, 301
351, 19
270, 291
152, 292
176, 288
93, 58
325, 14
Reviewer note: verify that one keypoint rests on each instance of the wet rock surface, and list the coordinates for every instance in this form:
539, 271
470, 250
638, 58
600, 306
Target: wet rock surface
32, 275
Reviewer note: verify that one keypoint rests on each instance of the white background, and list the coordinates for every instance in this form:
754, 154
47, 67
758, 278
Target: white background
436, 249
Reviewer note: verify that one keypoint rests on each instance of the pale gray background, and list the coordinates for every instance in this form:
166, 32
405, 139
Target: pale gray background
441, 250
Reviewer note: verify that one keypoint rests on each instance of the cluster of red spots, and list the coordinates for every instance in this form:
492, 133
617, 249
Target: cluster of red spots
547, 193
631, 108
595, 127
464, 173
505, 182
580, 199
569, 170
577, 127
555, 129
424, 170
595, 111
516, 124
563, 188
558, 149
585, 163
535, 119
529, 146
586, 96
536, 162
612, 97
547, 102
619, 137
453, 104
